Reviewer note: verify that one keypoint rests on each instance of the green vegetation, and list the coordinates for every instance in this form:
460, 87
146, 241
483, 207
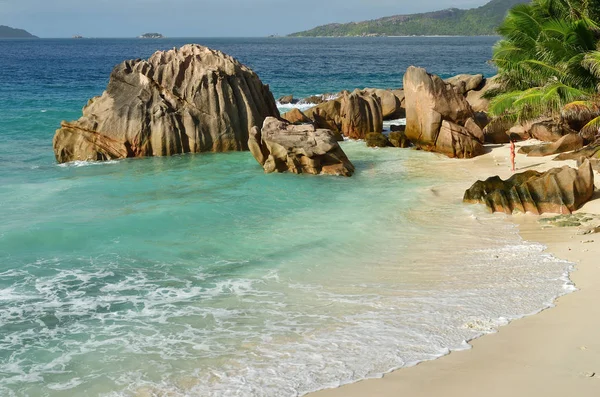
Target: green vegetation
7, 32
548, 60
452, 22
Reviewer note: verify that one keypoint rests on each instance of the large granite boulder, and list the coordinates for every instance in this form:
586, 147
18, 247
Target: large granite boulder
549, 130
392, 107
463, 83
476, 97
295, 116
560, 190
436, 115
192, 99
591, 151
281, 147
567, 143
456, 141
353, 114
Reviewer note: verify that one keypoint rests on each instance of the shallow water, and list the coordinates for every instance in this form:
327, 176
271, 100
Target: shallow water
198, 275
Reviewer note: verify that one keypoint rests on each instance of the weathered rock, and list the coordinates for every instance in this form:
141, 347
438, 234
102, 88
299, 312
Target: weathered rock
377, 139
287, 99
327, 115
456, 141
519, 133
189, 100
475, 130
549, 130
591, 151
436, 115
567, 143
295, 116
560, 190
391, 102
281, 147
463, 83
361, 114
496, 131
399, 139
319, 99
476, 97
352, 114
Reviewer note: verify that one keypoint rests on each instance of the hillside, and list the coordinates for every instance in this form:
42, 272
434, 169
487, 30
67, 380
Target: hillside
479, 21
7, 32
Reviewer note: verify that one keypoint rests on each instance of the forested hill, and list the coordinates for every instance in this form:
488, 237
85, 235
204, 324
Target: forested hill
7, 32
479, 21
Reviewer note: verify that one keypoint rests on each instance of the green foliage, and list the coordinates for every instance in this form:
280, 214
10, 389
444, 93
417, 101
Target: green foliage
548, 57
452, 22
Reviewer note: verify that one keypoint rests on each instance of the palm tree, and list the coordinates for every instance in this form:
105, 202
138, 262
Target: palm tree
549, 57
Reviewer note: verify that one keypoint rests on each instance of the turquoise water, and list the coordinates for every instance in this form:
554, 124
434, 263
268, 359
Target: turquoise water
199, 275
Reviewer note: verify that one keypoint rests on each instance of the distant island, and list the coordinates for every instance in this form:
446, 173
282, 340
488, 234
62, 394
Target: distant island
481, 21
151, 36
78, 36
6, 32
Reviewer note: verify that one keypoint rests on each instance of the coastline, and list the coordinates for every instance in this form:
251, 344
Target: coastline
552, 353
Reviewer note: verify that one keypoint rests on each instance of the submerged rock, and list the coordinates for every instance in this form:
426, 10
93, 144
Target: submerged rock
192, 99
377, 139
559, 190
436, 115
399, 139
281, 147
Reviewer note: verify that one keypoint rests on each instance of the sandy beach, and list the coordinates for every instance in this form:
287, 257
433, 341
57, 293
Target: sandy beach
553, 353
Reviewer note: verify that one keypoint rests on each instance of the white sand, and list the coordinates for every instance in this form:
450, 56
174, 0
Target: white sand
554, 353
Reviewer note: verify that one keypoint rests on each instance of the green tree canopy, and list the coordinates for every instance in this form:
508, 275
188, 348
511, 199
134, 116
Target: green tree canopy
549, 56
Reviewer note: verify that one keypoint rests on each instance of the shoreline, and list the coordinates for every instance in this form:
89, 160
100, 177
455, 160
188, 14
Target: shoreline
553, 352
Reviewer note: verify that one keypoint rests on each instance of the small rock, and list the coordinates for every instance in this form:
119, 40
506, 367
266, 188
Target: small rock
590, 374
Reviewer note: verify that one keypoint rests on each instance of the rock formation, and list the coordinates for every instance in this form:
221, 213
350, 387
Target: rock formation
436, 116
398, 139
392, 102
560, 190
353, 114
295, 116
192, 99
567, 143
377, 139
463, 83
281, 147
591, 151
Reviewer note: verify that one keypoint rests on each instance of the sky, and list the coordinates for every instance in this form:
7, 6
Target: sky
200, 18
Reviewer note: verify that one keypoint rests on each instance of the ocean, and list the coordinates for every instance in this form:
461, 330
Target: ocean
199, 275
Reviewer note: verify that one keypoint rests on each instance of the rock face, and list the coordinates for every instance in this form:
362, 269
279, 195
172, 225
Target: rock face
567, 143
436, 115
392, 102
192, 99
591, 151
398, 139
560, 190
281, 147
295, 116
353, 114
463, 83
377, 139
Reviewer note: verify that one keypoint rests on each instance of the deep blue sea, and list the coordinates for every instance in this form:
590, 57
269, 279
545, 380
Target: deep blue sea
199, 275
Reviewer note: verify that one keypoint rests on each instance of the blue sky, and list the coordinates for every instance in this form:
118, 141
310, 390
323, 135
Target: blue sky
199, 18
